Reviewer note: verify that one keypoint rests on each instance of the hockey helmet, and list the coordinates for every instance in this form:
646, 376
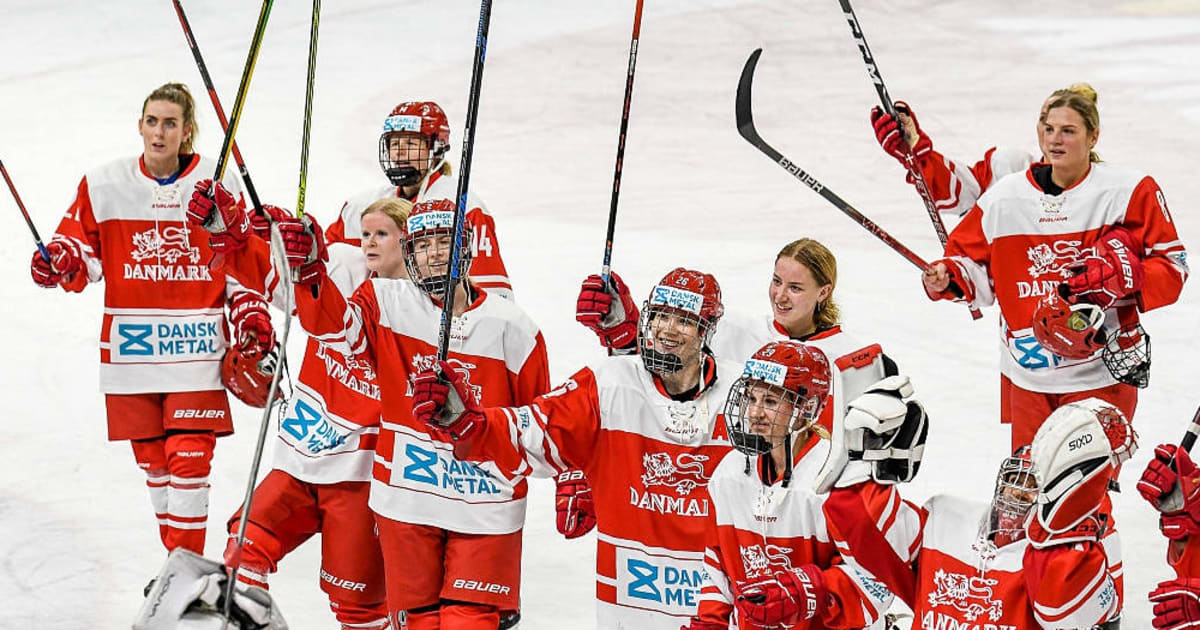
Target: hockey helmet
1072, 331
247, 375
430, 219
686, 298
783, 378
425, 119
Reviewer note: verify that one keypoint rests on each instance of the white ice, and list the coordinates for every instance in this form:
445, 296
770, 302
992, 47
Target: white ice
77, 539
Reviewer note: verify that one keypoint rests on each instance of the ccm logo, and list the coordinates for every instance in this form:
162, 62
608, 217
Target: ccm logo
199, 413
1079, 442
485, 587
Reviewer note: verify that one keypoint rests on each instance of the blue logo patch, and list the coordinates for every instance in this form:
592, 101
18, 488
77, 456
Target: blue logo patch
402, 123
765, 371
1033, 355
670, 585
677, 298
136, 339
450, 474
430, 221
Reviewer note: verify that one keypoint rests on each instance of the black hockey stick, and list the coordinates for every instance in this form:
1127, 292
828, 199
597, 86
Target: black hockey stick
889, 108
216, 102
304, 141
244, 87
28, 221
1193, 429
606, 269
464, 177
745, 125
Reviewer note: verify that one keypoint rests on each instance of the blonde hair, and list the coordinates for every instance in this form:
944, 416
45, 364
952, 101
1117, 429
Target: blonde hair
395, 209
178, 93
823, 267
1081, 98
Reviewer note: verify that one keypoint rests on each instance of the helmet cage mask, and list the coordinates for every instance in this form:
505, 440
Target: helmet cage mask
685, 328
1127, 356
422, 237
423, 120
748, 393
1013, 498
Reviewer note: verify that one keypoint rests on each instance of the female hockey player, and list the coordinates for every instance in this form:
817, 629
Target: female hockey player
769, 553
646, 432
163, 334
450, 531
321, 478
1171, 483
1000, 566
412, 153
1071, 251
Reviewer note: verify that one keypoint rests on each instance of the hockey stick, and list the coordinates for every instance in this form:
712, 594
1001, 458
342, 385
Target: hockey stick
464, 177
212, 96
308, 99
745, 125
606, 269
28, 221
1193, 429
281, 265
910, 161
244, 87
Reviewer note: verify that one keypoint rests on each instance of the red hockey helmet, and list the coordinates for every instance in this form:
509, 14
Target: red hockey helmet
783, 376
432, 218
422, 118
1072, 331
247, 375
693, 297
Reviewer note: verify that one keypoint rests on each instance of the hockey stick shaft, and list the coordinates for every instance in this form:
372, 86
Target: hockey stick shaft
216, 102
889, 107
235, 115
745, 124
28, 221
464, 176
1193, 429
308, 99
606, 269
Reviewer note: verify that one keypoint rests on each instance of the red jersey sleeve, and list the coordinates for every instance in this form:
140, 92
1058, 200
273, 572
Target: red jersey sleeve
336, 232
1184, 557
876, 529
79, 225
348, 327
487, 266
1070, 585
1163, 257
716, 597
534, 378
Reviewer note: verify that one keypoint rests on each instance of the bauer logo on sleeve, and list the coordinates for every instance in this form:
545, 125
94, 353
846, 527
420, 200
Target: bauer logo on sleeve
765, 371
430, 221
676, 298
402, 123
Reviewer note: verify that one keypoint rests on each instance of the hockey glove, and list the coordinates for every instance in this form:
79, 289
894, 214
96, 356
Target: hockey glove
65, 262
252, 330
609, 311
1176, 604
261, 222
304, 243
946, 279
1113, 272
888, 133
785, 599
448, 408
220, 215
573, 503
1174, 490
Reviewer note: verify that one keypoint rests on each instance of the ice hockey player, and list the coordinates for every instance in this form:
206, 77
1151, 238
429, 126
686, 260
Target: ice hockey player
769, 553
189, 594
1171, 483
163, 334
412, 153
999, 564
450, 531
645, 430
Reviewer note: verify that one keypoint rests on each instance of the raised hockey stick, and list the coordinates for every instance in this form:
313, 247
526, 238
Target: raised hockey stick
28, 221
745, 125
606, 269
304, 141
910, 161
236, 115
216, 102
281, 267
464, 176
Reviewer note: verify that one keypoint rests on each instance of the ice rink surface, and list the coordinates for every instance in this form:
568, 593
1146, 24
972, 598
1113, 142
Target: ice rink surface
77, 539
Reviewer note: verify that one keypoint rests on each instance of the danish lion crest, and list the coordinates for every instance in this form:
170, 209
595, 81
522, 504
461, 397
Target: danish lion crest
1056, 260
684, 474
972, 596
758, 562
170, 246
426, 362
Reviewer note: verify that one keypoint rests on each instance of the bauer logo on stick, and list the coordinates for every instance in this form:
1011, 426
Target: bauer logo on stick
677, 298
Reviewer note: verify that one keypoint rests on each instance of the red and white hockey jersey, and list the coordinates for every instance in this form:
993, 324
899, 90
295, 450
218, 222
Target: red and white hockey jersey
497, 347
648, 459
487, 267
1018, 243
756, 530
164, 324
959, 579
955, 187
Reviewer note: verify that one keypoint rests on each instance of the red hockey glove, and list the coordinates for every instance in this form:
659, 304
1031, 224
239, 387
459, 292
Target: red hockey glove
573, 503
305, 245
787, 598
252, 330
261, 222
220, 215
448, 409
1113, 272
613, 320
65, 262
1174, 490
887, 132
1176, 604
947, 280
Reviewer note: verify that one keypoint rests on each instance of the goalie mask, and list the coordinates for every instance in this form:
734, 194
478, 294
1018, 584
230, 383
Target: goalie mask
781, 393
247, 375
428, 235
1074, 455
414, 141
678, 319
1015, 492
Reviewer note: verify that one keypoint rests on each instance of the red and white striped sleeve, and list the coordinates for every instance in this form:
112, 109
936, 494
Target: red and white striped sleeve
79, 225
955, 187
487, 266
1070, 585
1164, 258
348, 327
715, 604
876, 530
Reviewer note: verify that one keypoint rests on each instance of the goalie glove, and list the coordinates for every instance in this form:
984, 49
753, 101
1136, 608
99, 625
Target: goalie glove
189, 593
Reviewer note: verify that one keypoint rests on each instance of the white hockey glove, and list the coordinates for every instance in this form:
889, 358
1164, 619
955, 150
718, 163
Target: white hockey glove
187, 594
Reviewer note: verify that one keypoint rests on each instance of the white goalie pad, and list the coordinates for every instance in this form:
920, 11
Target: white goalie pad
188, 595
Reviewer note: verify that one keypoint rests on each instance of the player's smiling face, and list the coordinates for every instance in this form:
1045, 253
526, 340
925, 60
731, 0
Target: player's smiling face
162, 129
794, 295
381, 245
768, 410
1066, 139
675, 332
431, 255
